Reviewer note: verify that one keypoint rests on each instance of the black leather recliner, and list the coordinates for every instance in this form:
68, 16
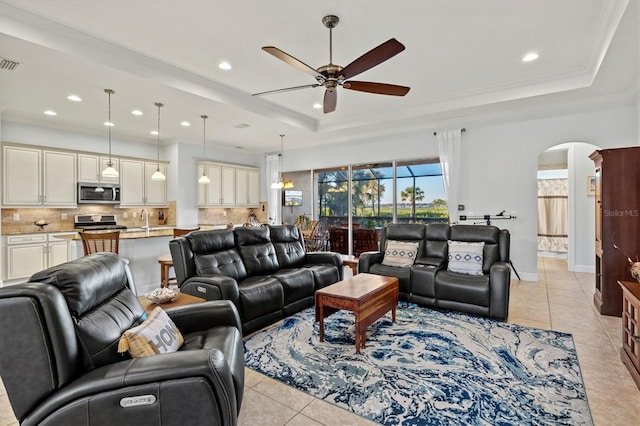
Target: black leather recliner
429, 283
59, 363
264, 270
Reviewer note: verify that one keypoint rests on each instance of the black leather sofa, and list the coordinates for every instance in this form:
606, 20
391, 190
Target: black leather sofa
428, 282
59, 363
264, 270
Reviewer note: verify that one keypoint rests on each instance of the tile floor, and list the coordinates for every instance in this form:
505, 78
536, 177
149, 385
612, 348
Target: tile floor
560, 300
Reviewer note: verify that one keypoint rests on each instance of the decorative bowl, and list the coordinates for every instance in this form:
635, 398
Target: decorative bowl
162, 295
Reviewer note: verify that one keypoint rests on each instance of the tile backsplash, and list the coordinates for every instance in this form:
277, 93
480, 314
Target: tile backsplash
21, 221
59, 220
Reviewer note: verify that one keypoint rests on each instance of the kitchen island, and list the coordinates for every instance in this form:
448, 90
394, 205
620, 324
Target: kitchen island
142, 249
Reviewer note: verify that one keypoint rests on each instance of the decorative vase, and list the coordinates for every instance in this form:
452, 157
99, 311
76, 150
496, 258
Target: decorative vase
635, 270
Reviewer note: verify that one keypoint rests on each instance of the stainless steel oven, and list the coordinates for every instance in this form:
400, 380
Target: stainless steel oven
94, 193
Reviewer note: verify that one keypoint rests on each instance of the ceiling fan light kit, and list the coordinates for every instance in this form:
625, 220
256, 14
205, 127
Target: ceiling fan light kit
332, 76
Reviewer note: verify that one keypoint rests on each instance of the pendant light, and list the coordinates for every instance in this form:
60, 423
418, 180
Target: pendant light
279, 184
286, 183
109, 171
158, 174
204, 179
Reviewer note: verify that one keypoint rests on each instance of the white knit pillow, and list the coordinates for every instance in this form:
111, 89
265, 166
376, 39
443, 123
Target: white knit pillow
465, 258
400, 253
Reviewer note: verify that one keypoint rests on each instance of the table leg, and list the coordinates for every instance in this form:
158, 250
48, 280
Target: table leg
393, 314
358, 334
363, 339
321, 326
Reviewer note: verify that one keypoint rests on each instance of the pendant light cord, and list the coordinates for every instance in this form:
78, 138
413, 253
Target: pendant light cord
204, 135
159, 105
109, 92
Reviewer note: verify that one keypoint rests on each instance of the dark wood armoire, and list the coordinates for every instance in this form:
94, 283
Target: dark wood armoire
617, 204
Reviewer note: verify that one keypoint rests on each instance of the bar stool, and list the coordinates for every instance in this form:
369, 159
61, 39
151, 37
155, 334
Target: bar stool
166, 261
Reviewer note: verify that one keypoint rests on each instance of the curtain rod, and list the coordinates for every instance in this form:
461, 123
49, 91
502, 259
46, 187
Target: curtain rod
462, 130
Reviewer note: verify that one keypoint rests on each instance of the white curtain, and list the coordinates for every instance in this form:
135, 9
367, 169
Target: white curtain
272, 171
449, 142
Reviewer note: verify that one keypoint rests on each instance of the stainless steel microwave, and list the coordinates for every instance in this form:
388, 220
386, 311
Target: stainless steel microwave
95, 193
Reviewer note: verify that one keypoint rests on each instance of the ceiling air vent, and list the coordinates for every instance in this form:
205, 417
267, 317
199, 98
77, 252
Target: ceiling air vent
8, 64
242, 126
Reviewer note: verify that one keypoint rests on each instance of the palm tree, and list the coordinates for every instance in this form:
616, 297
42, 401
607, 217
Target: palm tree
412, 194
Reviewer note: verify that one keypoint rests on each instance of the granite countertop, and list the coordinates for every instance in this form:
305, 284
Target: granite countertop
131, 235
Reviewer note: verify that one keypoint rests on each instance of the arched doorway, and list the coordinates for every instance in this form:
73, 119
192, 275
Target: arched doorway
569, 161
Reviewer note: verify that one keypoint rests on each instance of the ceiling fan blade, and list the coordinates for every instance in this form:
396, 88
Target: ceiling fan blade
287, 89
283, 56
379, 88
375, 56
330, 100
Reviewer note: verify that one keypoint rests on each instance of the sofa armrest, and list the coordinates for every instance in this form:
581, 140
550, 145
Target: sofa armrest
212, 287
108, 386
323, 257
203, 316
369, 258
499, 283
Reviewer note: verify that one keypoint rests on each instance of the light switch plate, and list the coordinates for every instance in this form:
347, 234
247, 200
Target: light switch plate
125, 215
16, 217
63, 216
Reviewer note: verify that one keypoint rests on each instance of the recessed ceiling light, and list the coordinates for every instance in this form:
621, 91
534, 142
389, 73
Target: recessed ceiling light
532, 56
108, 123
224, 66
317, 105
136, 112
49, 112
74, 98
154, 132
185, 124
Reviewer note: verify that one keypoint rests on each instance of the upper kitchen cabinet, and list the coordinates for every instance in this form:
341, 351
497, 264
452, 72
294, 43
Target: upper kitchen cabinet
90, 168
221, 189
136, 186
247, 187
35, 177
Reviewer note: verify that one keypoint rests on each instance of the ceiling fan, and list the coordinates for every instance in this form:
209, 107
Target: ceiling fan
331, 76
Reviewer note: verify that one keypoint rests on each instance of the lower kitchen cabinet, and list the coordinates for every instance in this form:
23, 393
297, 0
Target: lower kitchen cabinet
24, 255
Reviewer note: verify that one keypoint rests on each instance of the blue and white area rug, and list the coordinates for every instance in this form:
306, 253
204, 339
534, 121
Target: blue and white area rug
430, 368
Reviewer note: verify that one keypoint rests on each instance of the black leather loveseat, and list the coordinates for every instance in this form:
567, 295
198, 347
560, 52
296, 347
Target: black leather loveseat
60, 364
429, 280
263, 270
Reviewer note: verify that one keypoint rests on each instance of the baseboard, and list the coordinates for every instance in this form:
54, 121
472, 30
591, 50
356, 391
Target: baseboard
525, 276
590, 269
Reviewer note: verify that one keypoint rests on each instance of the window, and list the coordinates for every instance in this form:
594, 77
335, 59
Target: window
419, 193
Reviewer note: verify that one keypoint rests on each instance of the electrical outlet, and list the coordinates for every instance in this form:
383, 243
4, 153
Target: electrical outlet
125, 215
16, 217
224, 213
63, 216
135, 215
151, 213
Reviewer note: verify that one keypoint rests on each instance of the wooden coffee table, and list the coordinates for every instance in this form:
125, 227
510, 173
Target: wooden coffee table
181, 300
368, 296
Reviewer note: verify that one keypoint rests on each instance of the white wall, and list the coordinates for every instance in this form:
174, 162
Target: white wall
499, 165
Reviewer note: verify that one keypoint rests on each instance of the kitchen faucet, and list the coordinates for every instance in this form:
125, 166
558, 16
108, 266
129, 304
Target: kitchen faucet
146, 220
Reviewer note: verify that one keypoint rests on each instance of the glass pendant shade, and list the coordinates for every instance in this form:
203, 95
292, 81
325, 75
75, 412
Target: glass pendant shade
158, 175
109, 171
282, 183
204, 179
277, 185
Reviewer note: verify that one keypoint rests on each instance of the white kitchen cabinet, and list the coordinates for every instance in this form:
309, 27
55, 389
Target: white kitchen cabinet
136, 186
247, 187
27, 254
221, 190
34, 177
90, 168
210, 194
